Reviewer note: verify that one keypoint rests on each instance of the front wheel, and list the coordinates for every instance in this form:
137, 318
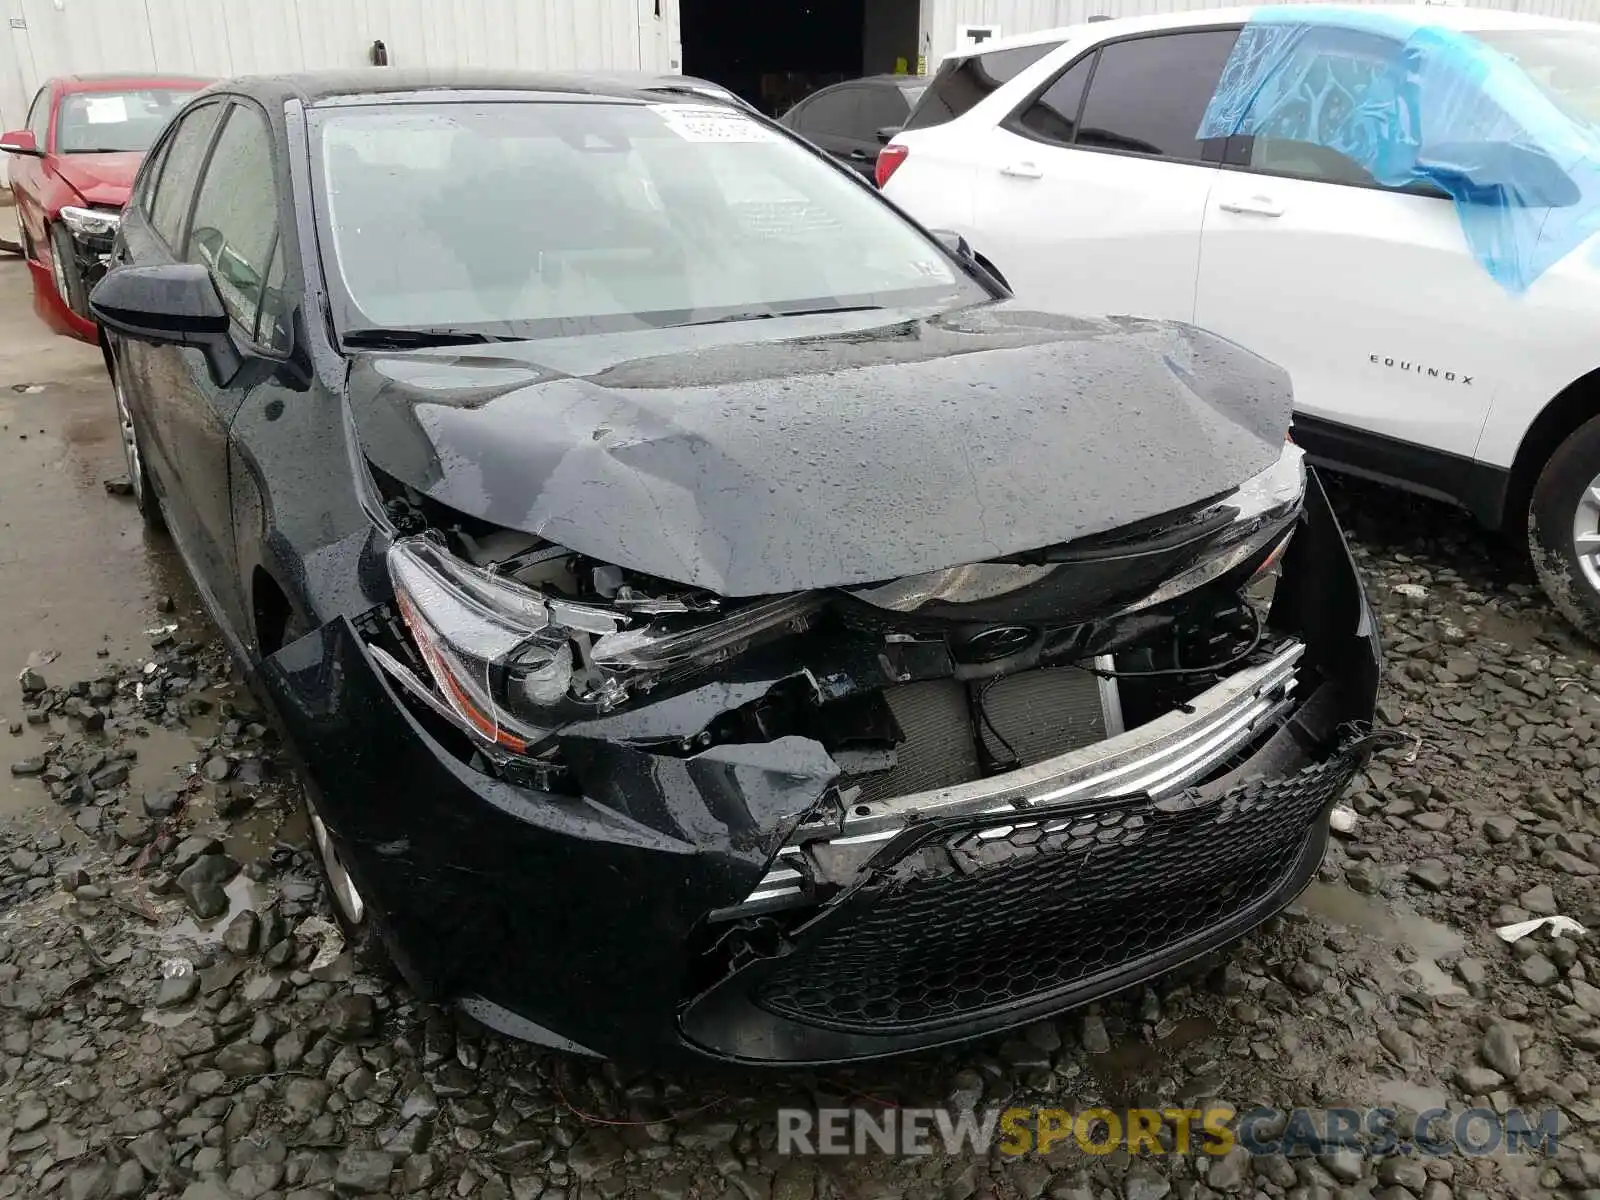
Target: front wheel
133, 456
1564, 528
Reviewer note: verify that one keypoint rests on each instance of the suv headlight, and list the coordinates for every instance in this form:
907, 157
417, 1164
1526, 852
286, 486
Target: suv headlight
95, 223
515, 664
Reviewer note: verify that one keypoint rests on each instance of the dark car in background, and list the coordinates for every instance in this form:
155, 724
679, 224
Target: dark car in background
715, 622
852, 121
70, 170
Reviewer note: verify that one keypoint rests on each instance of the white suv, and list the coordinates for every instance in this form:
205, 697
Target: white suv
1394, 203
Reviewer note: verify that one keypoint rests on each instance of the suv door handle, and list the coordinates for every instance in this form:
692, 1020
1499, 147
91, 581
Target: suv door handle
1255, 206
1022, 170
859, 155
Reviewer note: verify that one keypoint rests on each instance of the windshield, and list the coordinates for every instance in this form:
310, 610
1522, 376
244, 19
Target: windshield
528, 219
108, 122
1564, 63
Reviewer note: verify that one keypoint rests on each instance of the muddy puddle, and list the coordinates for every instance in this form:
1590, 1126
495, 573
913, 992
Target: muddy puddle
1395, 927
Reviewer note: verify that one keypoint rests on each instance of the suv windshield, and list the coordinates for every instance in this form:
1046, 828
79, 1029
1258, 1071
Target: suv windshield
525, 219
107, 122
1564, 63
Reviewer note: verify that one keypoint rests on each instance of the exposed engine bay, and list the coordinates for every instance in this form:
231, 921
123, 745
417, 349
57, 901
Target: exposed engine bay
935, 692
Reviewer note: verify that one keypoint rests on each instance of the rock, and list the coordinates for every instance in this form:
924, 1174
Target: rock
242, 1059
253, 1180
177, 990
28, 766
1094, 1036
242, 934
1538, 970
1500, 1050
351, 1017
1364, 877
1539, 900
365, 1172
129, 1181
89, 1183
32, 682
1307, 977
1478, 1081
421, 1171
201, 884
1228, 1173
1430, 873
1346, 1164
1144, 1182
217, 769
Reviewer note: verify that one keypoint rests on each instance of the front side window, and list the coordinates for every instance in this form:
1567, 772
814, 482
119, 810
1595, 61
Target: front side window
174, 188
527, 219
964, 83
116, 122
235, 220
1149, 95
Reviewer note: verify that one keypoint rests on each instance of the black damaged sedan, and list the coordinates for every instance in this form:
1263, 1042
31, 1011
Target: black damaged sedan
714, 620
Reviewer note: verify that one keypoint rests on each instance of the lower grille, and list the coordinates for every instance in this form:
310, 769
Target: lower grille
995, 915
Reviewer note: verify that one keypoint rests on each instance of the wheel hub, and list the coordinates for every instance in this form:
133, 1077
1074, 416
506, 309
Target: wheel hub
130, 443
1586, 533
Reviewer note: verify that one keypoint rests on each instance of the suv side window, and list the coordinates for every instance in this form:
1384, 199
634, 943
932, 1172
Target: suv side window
186, 153
39, 117
962, 83
882, 107
235, 222
1148, 95
1299, 125
1054, 115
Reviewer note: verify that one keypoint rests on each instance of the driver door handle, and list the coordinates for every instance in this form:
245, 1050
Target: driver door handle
1255, 206
1022, 170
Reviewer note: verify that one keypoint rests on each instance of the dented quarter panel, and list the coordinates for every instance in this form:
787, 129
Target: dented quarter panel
810, 452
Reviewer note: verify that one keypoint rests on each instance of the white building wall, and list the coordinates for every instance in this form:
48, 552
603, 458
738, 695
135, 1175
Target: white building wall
41, 38
941, 17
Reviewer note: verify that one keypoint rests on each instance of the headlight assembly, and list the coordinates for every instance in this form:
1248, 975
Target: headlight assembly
95, 223
515, 664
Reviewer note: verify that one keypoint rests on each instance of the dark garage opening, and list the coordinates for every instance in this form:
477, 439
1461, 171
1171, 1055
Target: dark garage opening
775, 52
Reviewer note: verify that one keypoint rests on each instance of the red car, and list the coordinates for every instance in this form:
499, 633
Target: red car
71, 169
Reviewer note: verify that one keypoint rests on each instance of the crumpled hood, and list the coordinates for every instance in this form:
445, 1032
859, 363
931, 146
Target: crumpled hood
100, 178
776, 455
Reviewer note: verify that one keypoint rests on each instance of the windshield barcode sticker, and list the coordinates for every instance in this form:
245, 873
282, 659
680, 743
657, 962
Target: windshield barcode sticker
711, 124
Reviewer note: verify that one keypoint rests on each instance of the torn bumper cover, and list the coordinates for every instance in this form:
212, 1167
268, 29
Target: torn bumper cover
725, 905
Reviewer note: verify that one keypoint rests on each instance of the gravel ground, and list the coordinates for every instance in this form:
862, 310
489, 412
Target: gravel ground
177, 1018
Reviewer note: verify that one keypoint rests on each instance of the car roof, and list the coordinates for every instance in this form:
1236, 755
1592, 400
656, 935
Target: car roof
320, 87
104, 81
1449, 17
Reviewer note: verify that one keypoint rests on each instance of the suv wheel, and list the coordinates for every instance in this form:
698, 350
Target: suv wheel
1564, 528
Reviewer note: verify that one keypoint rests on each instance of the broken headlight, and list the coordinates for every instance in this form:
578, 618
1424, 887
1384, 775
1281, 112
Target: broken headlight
1265, 507
515, 663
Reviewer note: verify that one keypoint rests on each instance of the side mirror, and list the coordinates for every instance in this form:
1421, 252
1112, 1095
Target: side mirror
887, 134
169, 304
1484, 172
20, 141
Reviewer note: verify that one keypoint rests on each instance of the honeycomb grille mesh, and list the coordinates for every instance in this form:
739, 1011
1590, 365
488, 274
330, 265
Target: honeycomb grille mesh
973, 922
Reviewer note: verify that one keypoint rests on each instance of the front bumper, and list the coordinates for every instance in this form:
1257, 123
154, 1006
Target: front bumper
633, 922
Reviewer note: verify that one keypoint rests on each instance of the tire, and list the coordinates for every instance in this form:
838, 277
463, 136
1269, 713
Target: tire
11, 229
1564, 529
144, 498
64, 270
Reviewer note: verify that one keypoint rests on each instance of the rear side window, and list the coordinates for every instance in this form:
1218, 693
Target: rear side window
1149, 95
1054, 115
175, 188
836, 112
963, 83
882, 107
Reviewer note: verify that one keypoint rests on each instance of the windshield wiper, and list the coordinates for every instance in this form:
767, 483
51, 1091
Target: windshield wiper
768, 315
413, 339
